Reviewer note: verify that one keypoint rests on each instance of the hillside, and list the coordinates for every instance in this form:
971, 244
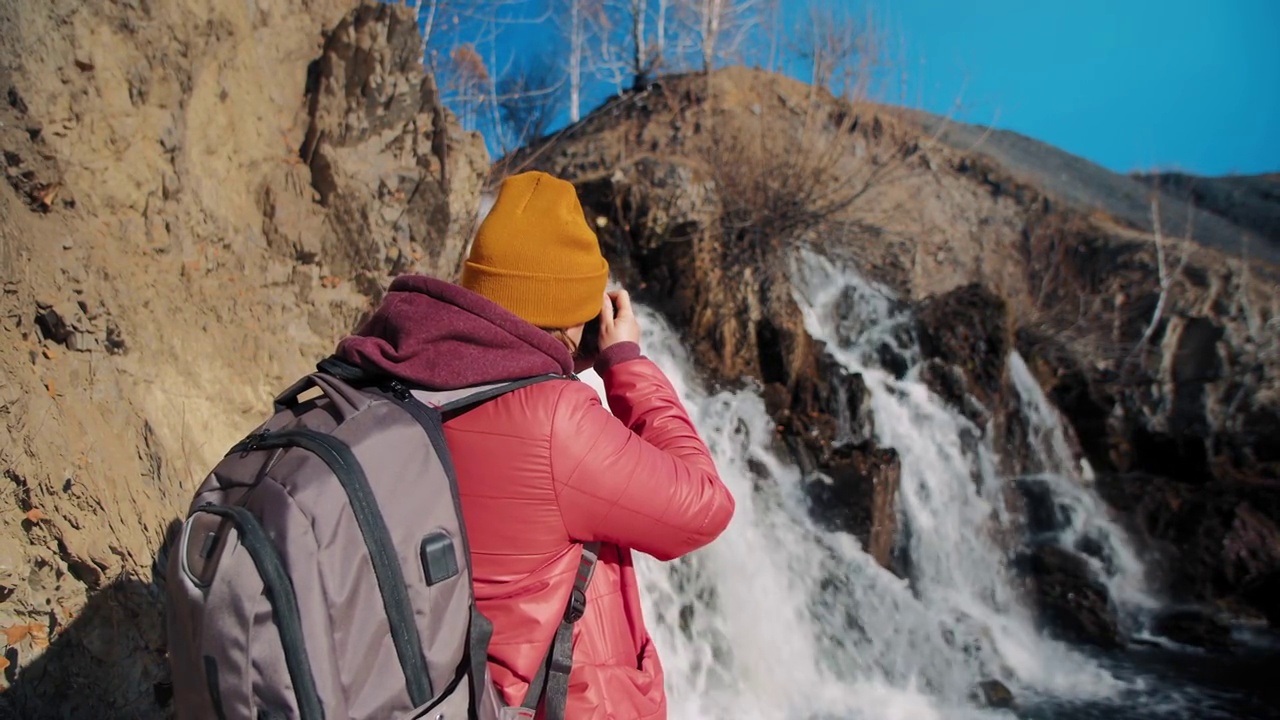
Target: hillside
707, 189
1231, 214
1250, 201
170, 259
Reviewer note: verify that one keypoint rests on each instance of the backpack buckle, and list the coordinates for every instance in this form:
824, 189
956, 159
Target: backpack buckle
577, 606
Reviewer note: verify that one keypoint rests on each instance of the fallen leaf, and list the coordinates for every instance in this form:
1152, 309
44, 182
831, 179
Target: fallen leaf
4, 663
330, 281
14, 634
83, 66
49, 386
35, 515
50, 353
39, 635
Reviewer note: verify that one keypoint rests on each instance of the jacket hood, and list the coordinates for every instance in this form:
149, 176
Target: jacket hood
441, 336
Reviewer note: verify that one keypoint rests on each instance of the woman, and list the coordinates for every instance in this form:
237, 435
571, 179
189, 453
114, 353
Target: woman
546, 468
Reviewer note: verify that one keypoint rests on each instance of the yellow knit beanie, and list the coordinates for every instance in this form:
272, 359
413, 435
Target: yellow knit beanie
536, 256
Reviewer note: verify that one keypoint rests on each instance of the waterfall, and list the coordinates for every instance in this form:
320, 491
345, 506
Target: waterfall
1080, 520
781, 618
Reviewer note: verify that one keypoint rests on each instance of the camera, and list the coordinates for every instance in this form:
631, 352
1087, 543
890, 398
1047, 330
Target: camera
589, 348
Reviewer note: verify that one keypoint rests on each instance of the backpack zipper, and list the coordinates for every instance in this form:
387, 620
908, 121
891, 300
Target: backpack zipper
377, 538
284, 603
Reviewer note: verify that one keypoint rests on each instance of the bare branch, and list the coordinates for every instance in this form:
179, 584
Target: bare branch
1164, 274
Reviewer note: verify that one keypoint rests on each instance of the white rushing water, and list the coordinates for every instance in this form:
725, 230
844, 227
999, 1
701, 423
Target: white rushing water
781, 618
1081, 520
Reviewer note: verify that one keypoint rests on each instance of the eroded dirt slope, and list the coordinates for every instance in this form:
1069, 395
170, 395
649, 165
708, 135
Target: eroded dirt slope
200, 199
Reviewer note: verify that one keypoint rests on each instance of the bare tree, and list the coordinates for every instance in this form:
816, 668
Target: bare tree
638, 11
717, 29
660, 34
581, 23
1165, 275
529, 98
644, 47
468, 83
840, 50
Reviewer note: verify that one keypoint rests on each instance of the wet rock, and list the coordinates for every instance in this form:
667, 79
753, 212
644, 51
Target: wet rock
1040, 512
969, 328
948, 382
1251, 550
1211, 542
1193, 627
1068, 600
994, 694
857, 492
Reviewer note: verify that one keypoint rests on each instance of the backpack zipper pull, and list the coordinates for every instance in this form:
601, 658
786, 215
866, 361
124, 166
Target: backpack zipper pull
252, 442
399, 390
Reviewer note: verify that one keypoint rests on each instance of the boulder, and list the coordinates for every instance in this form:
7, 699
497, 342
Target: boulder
1193, 627
994, 694
856, 491
1068, 600
1218, 543
970, 329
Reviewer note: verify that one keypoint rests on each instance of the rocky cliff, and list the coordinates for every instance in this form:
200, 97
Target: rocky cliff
1158, 341
200, 198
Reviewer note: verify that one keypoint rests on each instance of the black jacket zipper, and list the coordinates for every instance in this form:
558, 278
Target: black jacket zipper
284, 603
377, 538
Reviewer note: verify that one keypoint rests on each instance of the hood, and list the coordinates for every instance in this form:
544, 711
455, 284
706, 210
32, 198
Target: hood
440, 336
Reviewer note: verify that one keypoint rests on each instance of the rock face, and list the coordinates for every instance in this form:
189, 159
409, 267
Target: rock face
1069, 602
399, 185
1160, 349
167, 263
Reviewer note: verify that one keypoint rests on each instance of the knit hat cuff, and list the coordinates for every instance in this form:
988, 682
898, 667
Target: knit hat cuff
547, 301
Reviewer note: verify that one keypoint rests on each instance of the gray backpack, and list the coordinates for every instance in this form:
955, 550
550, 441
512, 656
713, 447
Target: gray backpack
323, 571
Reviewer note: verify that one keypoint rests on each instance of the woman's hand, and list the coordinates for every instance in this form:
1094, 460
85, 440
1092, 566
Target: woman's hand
618, 322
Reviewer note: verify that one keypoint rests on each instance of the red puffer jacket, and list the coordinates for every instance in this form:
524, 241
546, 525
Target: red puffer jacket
547, 467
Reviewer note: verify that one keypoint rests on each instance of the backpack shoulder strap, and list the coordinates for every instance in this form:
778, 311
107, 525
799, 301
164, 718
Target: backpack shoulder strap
552, 680
446, 402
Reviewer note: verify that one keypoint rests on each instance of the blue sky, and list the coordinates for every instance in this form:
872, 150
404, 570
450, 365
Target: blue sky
1134, 85
1129, 84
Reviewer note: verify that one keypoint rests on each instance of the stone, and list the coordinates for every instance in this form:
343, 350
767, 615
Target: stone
1193, 627
857, 492
969, 327
994, 694
1069, 601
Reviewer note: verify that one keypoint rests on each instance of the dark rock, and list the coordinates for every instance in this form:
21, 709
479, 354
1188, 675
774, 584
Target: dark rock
858, 493
1217, 543
1193, 627
1068, 600
948, 382
66, 324
1251, 549
994, 694
1040, 511
970, 328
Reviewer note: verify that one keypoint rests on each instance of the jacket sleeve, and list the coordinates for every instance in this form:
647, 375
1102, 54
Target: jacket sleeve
643, 479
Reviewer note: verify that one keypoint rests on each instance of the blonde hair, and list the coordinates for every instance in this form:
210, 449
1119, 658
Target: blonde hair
564, 339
